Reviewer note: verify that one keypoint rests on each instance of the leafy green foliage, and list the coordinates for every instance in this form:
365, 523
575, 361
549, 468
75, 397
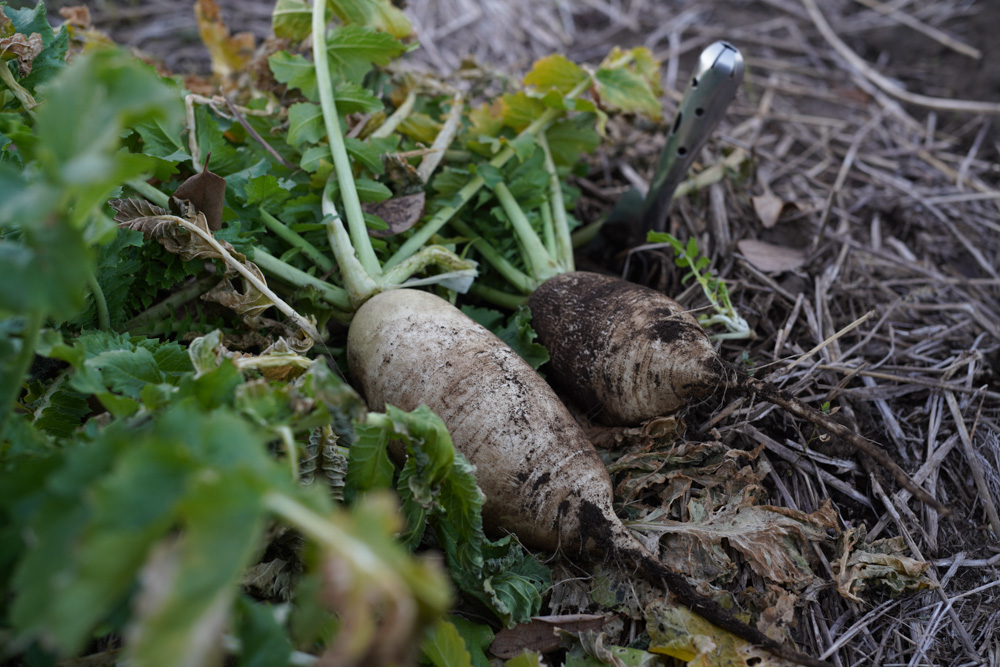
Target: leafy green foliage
516, 333
153, 447
438, 489
444, 647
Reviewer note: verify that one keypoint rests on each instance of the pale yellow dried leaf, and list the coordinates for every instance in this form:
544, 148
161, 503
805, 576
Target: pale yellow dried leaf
860, 566
682, 634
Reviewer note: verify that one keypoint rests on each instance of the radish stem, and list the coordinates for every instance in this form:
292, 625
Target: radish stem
294, 240
444, 215
542, 265
100, 303
564, 244
10, 382
338, 151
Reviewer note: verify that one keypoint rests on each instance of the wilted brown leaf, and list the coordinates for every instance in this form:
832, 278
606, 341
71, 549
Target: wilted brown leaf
771, 258
773, 540
399, 213
859, 566
541, 633
780, 615
207, 193
22, 49
157, 223
77, 16
250, 303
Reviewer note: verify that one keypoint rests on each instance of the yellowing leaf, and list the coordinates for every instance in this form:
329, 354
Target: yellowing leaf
630, 82
555, 72
379, 14
420, 127
682, 634
881, 563
520, 110
230, 53
291, 19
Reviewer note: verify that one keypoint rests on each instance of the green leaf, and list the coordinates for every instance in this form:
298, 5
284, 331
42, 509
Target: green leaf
427, 440
526, 659
517, 333
62, 412
265, 643
163, 140
314, 157
477, 639
118, 266
365, 154
190, 582
352, 50
354, 98
305, 124
267, 192
444, 647
570, 138
368, 465
513, 581
490, 174
520, 110
555, 72
371, 191
291, 19
295, 72
48, 270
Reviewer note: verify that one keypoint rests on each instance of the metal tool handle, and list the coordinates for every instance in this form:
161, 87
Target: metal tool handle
712, 88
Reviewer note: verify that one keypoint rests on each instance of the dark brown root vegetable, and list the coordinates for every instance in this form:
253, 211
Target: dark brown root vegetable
626, 354
542, 478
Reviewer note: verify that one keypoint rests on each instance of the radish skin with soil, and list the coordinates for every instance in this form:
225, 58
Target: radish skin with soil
542, 478
626, 354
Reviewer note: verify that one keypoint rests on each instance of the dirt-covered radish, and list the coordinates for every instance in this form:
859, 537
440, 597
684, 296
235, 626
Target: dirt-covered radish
542, 478
626, 353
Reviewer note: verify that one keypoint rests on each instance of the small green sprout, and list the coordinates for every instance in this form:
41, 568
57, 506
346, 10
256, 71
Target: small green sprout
687, 257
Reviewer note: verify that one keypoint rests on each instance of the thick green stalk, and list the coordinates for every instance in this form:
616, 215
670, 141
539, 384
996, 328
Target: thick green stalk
564, 244
498, 297
444, 215
10, 381
360, 283
165, 308
543, 266
548, 229
517, 278
149, 192
338, 150
296, 241
271, 265
100, 303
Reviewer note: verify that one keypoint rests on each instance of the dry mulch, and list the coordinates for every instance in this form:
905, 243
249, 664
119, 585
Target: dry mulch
881, 186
